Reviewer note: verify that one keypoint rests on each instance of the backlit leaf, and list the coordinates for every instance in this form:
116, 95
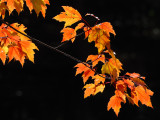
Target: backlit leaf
87, 72
70, 16
95, 59
68, 34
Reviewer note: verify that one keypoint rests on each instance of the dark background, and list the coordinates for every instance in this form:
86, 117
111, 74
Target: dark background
49, 90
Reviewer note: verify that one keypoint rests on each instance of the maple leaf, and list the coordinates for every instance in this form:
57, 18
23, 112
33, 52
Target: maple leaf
95, 59
28, 48
110, 65
70, 16
100, 37
18, 5
16, 53
115, 101
38, 6
138, 81
87, 72
14, 4
89, 90
3, 8
87, 31
2, 55
68, 34
99, 88
92, 89
107, 27
133, 75
14, 45
143, 95
79, 26
98, 78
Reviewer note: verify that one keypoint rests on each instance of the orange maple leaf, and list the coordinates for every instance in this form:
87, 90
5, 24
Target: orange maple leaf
87, 31
68, 34
95, 59
143, 95
38, 6
2, 55
99, 88
89, 90
79, 26
107, 27
70, 16
14, 45
92, 89
115, 101
3, 8
110, 65
87, 72
98, 79
18, 5
100, 37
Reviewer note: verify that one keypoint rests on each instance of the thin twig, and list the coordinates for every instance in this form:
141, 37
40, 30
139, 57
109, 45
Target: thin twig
52, 48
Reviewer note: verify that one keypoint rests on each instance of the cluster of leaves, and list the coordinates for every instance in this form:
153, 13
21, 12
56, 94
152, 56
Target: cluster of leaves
18, 5
17, 46
111, 68
14, 45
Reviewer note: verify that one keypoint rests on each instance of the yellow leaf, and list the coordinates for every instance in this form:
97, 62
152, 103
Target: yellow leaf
68, 34
70, 16
89, 90
99, 88
100, 38
112, 64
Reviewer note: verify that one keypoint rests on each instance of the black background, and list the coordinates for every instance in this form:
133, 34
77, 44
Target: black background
49, 90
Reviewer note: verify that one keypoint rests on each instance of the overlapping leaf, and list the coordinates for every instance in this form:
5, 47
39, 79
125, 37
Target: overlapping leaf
85, 69
92, 89
138, 93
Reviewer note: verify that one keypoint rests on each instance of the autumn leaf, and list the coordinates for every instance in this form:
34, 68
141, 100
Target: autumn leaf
99, 88
96, 59
143, 95
87, 31
138, 81
3, 8
107, 27
98, 79
85, 69
89, 90
79, 26
16, 53
92, 89
115, 102
114, 75
70, 16
18, 5
110, 65
14, 45
2, 55
28, 48
68, 34
38, 6
100, 37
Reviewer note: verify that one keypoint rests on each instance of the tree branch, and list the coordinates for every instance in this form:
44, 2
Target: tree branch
53, 48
